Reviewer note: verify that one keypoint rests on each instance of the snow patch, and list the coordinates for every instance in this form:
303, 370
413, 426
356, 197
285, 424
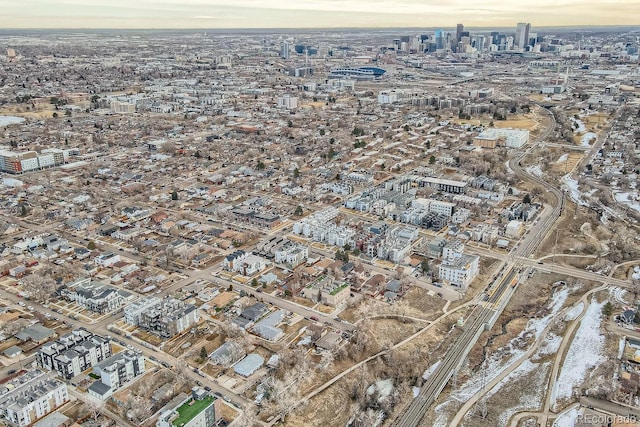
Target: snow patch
587, 138
416, 392
567, 419
629, 199
10, 120
563, 158
383, 387
584, 353
527, 401
430, 370
581, 128
572, 185
550, 345
574, 312
618, 295
534, 170
506, 165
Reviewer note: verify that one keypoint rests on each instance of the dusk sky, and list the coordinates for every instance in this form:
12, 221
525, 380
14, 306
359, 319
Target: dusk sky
311, 13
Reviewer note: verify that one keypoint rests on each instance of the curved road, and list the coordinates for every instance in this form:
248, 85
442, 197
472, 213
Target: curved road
480, 317
478, 395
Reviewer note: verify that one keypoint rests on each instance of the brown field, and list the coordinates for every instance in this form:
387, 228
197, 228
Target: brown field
567, 165
317, 104
40, 112
520, 122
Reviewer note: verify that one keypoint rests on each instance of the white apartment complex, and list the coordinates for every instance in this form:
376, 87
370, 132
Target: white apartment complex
31, 396
458, 269
163, 317
116, 371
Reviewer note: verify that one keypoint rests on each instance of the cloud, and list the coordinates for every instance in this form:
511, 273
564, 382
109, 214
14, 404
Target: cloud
312, 13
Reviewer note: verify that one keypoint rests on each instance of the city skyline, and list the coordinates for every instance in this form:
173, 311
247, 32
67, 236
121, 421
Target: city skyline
203, 14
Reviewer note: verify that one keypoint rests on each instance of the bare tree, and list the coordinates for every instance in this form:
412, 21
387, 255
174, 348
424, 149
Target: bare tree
39, 287
246, 419
168, 147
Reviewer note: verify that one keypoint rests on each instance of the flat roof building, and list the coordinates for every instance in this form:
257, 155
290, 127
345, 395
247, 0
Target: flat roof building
73, 353
30, 397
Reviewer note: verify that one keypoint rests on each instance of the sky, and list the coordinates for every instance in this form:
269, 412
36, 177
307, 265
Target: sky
212, 14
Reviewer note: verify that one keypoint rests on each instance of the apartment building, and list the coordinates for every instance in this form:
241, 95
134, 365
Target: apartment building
327, 290
116, 371
198, 410
513, 138
291, 253
164, 317
459, 271
31, 396
96, 296
133, 312
319, 227
244, 263
73, 353
20, 162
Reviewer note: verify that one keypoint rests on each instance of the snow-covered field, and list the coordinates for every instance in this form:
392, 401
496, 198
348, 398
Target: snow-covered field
572, 185
10, 120
567, 419
534, 170
527, 401
586, 139
618, 295
574, 312
550, 345
498, 362
584, 353
628, 199
581, 128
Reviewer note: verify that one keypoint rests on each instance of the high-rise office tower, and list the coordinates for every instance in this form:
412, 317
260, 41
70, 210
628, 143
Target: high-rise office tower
440, 39
478, 42
521, 38
284, 50
459, 30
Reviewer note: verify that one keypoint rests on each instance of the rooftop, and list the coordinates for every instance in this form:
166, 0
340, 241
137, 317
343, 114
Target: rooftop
190, 409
